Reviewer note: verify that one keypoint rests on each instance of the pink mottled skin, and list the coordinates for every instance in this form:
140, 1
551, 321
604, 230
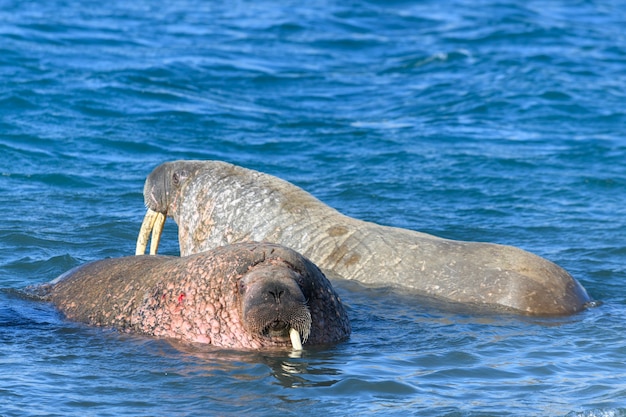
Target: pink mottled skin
244, 296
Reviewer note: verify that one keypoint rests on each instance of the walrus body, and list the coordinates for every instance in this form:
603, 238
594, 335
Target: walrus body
216, 203
241, 296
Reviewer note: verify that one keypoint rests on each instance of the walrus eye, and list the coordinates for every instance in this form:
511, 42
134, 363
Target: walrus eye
242, 287
300, 281
179, 176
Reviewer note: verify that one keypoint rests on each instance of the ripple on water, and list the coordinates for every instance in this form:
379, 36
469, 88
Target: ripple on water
499, 123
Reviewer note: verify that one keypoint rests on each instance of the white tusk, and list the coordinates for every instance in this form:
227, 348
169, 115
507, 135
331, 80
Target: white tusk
156, 233
296, 343
144, 232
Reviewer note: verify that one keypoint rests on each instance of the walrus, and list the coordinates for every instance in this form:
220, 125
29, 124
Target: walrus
216, 203
245, 296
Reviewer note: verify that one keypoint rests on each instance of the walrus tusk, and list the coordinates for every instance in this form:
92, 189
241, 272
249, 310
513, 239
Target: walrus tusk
144, 232
156, 233
152, 223
296, 343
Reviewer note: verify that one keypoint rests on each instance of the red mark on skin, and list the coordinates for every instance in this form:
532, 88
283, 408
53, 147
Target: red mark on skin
181, 297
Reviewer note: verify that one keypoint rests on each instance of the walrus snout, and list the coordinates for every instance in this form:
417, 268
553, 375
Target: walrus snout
274, 305
162, 184
159, 191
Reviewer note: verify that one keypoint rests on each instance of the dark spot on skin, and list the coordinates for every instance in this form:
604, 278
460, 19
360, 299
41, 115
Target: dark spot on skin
343, 254
337, 231
352, 259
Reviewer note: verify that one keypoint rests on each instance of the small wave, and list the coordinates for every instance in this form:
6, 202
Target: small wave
17, 103
382, 125
402, 64
611, 412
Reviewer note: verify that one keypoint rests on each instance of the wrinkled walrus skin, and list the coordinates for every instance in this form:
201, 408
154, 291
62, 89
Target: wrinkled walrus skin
215, 203
245, 296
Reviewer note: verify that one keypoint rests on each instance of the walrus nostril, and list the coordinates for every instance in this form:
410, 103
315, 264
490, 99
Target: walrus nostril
276, 293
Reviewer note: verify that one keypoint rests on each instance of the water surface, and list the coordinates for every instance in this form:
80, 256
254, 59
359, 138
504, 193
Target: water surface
484, 121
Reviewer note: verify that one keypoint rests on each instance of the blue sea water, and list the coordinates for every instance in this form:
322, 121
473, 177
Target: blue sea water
489, 120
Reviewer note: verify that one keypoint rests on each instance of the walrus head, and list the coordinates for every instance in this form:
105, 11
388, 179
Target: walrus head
160, 190
274, 305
